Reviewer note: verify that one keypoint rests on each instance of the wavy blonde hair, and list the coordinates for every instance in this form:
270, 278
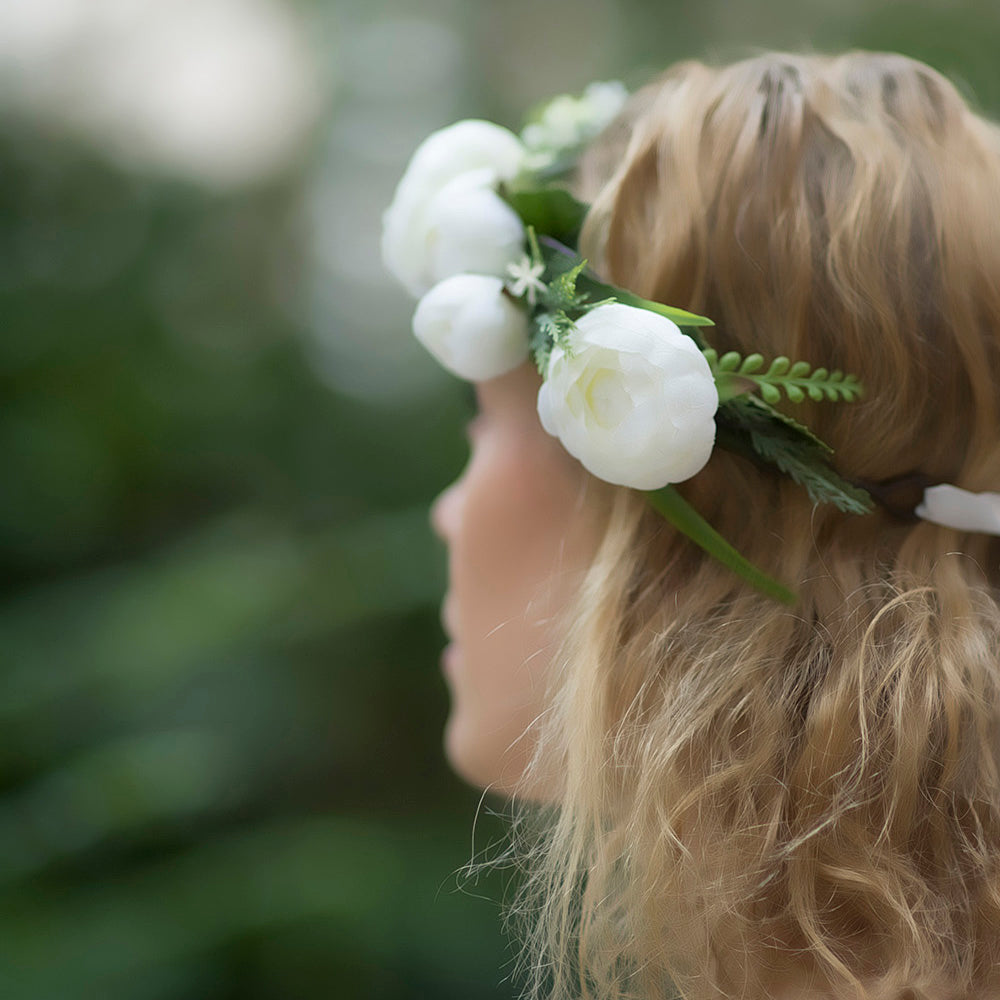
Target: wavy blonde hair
757, 801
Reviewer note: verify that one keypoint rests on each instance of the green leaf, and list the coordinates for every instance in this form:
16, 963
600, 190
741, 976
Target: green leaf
563, 288
751, 427
734, 376
559, 258
550, 210
548, 329
760, 407
685, 320
668, 502
540, 341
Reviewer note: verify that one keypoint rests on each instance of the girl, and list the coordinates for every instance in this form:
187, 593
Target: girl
738, 796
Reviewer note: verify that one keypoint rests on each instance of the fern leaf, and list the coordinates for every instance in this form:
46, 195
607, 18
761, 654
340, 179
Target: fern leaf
796, 380
799, 454
563, 288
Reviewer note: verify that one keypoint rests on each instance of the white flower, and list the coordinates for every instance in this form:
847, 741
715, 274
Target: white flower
634, 399
527, 279
603, 100
957, 508
469, 228
471, 327
410, 228
568, 121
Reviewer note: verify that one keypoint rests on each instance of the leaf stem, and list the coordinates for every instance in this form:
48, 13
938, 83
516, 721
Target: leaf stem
668, 502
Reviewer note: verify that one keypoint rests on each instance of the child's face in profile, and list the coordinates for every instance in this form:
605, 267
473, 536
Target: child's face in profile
519, 541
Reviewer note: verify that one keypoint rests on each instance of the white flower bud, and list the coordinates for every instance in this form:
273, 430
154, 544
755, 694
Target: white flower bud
465, 147
470, 229
634, 399
471, 327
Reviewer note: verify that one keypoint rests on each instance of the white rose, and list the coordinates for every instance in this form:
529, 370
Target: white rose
469, 228
465, 147
634, 399
471, 327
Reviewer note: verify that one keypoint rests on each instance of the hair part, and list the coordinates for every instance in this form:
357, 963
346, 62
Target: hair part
759, 799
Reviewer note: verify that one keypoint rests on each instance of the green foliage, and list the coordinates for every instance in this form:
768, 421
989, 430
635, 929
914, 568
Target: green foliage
220, 592
687, 321
571, 290
563, 288
551, 210
548, 330
735, 374
774, 436
559, 259
689, 522
796, 451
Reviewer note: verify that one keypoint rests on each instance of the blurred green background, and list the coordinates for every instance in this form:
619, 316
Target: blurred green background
220, 701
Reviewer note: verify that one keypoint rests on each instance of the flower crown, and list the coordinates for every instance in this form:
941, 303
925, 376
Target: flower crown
482, 231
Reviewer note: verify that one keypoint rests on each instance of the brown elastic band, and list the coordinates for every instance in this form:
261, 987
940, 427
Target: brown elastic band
898, 496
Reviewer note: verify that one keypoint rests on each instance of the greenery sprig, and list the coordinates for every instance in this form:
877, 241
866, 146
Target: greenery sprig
735, 375
561, 301
753, 428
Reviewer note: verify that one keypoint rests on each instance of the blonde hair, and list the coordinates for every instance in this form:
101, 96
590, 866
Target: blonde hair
757, 799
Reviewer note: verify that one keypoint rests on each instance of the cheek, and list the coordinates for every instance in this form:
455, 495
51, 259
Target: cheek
515, 564
515, 516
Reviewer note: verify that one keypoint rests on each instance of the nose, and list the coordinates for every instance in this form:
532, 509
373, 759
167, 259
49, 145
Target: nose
446, 511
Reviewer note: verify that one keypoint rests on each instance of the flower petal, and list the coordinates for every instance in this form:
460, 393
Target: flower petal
957, 508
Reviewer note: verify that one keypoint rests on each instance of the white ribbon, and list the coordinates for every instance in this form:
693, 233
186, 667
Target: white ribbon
956, 508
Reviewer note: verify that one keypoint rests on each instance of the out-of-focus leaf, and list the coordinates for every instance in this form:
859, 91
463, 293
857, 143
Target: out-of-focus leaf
235, 585
112, 791
378, 884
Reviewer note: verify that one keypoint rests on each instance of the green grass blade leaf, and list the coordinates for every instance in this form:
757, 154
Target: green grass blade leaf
668, 502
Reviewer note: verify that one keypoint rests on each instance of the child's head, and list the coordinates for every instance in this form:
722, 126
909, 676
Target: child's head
749, 799
753, 794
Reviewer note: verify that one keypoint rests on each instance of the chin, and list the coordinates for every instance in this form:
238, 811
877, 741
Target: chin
468, 757
498, 766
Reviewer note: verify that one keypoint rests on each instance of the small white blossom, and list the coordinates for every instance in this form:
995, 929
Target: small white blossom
961, 509
527, 279
566, 122
424, 234
632, 398
473, 329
